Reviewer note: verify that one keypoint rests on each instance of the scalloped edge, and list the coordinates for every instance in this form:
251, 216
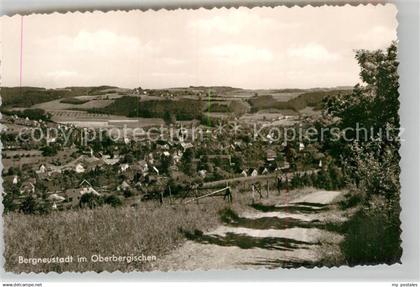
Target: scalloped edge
211, 7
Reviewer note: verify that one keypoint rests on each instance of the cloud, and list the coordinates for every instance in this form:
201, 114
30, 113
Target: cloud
312, 52
237, 22
100, 42
239, 54
376, 37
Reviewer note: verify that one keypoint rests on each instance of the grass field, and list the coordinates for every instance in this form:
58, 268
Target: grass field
149, 229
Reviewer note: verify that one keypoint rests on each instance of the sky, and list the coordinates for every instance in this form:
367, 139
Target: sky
257, 48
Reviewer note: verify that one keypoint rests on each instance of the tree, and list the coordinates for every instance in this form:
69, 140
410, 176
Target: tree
28, 205
8, 203
186, 161
90, 200
49, 150
113, 200
165, 164
373, 160
169, 117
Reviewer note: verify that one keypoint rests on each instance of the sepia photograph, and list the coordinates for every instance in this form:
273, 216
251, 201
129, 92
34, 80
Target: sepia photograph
200, 139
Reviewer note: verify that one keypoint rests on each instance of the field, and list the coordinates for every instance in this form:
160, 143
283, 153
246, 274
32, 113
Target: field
16, 158
150, 229
95, 106
96, 120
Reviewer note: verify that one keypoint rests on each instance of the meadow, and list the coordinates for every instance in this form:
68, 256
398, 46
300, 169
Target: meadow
150, 229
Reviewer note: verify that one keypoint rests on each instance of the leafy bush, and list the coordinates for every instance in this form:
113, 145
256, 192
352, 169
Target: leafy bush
373, 236
32, 114
113, 200
371, 162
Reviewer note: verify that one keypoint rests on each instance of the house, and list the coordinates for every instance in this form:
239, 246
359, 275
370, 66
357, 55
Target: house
301, 146
254, 173
28, 187
74, 194
110, 161
15, 179
51, 140
84, 183
286, 165
123, 186
243, 173
56, 198
124, 167
79, 168
186, 146
144, 167
177, 156
42, 169
86, 187
271, 155
202, 173
265, 171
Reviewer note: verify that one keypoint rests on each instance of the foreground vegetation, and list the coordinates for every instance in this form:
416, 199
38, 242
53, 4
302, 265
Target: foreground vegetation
150, 229
371, 163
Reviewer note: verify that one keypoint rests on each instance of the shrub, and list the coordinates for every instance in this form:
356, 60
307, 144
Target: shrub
373, 236
113, 200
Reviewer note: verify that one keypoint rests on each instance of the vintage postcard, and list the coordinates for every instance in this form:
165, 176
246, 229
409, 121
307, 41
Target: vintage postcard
206, 139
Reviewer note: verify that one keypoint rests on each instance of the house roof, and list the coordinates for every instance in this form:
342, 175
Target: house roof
85, 182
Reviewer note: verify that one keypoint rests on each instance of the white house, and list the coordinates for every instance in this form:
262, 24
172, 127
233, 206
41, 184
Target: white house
42, 169
27, 187
254, 173
301, 146
123, 186
124, 167
202, 173
56, 198
79, 168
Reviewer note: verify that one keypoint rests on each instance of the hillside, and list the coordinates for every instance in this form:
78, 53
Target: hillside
182, 109
25, 97
308, 99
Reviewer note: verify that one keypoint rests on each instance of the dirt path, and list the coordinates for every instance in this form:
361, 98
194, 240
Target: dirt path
281, 235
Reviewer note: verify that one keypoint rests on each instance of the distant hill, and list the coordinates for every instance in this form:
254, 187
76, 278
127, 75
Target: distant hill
25, 97
308, 99
183, 109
